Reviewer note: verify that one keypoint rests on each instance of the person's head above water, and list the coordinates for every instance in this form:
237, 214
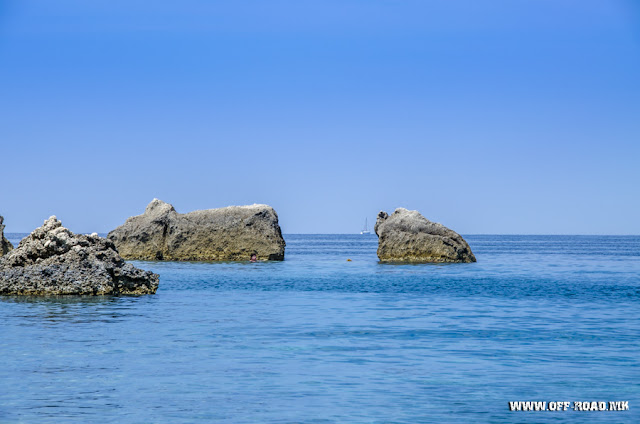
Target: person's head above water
254, 257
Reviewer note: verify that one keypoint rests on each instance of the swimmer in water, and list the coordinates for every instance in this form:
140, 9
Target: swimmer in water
254, 258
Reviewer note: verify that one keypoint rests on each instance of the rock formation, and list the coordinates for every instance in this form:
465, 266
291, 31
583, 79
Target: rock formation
407, 236
53, 261
5, 245
226, 234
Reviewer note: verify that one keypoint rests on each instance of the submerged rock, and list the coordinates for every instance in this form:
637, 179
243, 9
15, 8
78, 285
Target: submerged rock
5, 245
407, 236
233, 233
53, 261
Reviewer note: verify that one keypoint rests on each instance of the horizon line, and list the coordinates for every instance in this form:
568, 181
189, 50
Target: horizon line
373, 234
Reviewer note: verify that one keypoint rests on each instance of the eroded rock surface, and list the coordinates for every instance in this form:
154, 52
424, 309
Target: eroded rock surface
407, 236
5, 245
233, 233
54, 261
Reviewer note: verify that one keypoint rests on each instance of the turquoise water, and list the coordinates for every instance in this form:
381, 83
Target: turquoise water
317, 339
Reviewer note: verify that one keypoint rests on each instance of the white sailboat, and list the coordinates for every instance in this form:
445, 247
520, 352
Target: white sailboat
365, 230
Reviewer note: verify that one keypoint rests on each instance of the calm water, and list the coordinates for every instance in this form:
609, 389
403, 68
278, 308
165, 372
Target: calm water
317, 339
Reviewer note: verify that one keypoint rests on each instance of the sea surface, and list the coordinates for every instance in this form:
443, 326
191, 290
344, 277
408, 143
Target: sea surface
319, 339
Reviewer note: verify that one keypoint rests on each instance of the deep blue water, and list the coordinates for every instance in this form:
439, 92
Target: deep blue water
317, 339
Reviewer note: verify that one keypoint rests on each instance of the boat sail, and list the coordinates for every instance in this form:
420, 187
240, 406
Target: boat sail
365, 230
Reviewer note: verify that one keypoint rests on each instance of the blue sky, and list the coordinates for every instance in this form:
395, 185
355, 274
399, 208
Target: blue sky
487, 116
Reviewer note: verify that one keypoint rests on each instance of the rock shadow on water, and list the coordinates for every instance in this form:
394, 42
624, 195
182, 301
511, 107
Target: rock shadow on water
75, 309
62, 299
197, 266
423, 264
424, 269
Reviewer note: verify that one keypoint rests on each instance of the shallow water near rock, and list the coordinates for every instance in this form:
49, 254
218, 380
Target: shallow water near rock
318, 339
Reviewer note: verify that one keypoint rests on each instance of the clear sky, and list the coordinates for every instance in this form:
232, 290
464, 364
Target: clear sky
487, 116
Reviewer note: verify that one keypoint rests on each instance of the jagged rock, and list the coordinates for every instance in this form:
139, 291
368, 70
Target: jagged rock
407, 236
54, 261
233, 233
5, 245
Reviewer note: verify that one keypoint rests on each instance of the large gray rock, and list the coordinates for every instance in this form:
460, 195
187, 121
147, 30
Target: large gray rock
407, 236
233, 233
5, 245
54, 261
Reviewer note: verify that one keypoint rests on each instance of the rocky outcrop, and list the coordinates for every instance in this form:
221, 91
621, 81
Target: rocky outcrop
233, 233
407, 236
54, 261
5, 245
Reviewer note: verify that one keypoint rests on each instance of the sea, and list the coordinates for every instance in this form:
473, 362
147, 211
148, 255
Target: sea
321, 339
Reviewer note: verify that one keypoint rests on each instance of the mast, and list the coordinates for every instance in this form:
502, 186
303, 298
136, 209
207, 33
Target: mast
365, 230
